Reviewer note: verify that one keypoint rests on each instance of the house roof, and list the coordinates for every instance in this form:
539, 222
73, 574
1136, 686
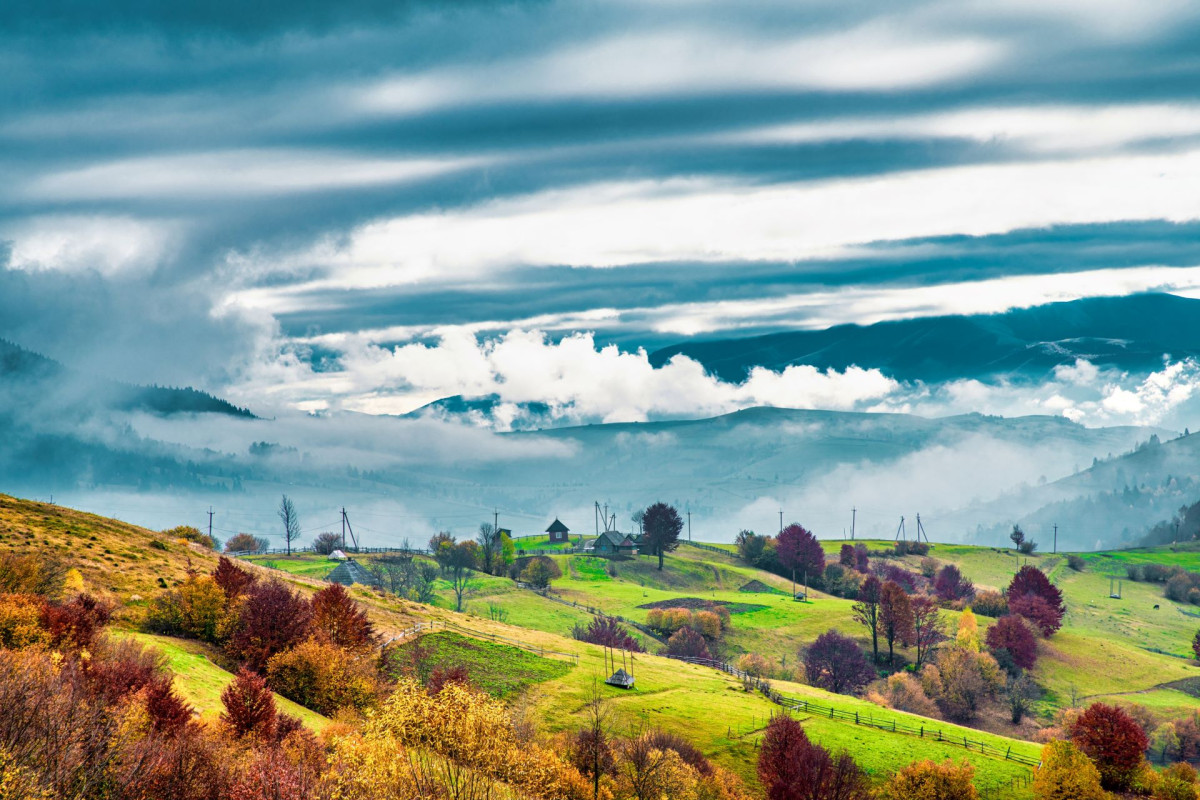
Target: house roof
349, 573
615, 539
557, 527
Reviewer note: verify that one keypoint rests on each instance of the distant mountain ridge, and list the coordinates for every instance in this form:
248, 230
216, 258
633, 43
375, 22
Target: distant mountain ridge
25, 366
1132, 333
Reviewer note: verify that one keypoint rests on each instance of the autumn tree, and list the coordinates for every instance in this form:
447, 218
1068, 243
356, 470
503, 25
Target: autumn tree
866, 610
291, 521
1010, 633
233, 580
750, 546
460, 561
339, 620
1196, 645
925, 780
929, 629
687, 643
606, 631
538, 573
950, 584
320, 675
272, 619
662, 525
799, 550
895, 618
1113, 740
1033, 596
244, 543
249, 706
1066, 774
591, 751
846, 556
836, 663
968, 631
791, 767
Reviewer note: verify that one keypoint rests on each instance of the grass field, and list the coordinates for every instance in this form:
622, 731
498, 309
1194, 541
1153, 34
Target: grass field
200, 681
499, 669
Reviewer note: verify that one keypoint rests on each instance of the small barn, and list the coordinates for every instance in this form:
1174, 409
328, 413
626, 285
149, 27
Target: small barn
558, 532
613, 543
350, 572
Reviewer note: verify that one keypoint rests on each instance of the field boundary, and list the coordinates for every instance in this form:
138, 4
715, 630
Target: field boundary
831, 712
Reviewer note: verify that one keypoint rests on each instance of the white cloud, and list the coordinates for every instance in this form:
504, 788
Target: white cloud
106, 244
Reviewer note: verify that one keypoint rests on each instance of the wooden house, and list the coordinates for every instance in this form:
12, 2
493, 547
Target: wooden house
558, 532
613, 543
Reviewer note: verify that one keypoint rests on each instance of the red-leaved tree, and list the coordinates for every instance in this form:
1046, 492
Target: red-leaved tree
846, 556
272, 619
837, 664
249, 706
606, 631
1113, 740
233, 580
895, 618
950, 584
1012, 634
866, 610
338, 619
686, 643
1029, 586
793, 768
799, 551
929, 629
76, 622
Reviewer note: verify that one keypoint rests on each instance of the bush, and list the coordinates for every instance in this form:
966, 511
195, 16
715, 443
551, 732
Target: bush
324, 677
249, 706
950, 584
1177, 782
271, 620
837, 664
905, 693
21, 621
338, 619
925, 780
791, 767
74, 623
1113, 740
686, 643
40, 574
1076, 562
990, 604
191, 534
1066, 774
233, 580
1011, 634
195, 609
539, 571
245, 543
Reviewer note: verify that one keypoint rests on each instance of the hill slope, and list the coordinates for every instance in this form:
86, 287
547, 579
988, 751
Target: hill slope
1132, 333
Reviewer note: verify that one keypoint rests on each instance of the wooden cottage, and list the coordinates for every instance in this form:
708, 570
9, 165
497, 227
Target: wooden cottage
558, 532
613, 543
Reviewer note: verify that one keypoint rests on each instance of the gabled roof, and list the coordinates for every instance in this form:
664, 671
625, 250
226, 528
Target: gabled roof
615, 539
557, 527
349, 573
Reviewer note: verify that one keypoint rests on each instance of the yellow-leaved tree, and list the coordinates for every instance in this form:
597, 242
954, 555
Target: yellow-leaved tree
925, 780
968, 631
1066, 774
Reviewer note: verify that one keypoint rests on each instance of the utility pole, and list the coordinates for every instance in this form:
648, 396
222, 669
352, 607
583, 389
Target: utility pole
495, 519
343, 528
210, 513
781, 531
689, 526
853, 519
1056, 537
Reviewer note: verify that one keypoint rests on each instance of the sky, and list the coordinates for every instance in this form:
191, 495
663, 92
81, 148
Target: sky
368, 205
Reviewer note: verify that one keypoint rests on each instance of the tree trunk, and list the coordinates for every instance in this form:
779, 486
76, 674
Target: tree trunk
660, 559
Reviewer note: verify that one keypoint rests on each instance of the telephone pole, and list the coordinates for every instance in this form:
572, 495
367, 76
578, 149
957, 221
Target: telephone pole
853, 519
781, 531
689, 526
210, 515
495, 519
1056, 537
343, 528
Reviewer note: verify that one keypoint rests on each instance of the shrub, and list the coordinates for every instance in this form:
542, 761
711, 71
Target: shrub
249, 706
338, 619
990, 604
606, 631
1011, 634
244, 543
540, 571
950, 584
968, 632
21, 621
1066, 774
1076, 562
1177, 782
76, 622
325, 543
232, 579
167, 711
271, 620
195, 609
961, 682
686, 643
191, 534
837, 664
791, 767
1113, 740
324, 677
905, 693
925, 780
755, 665
40, 574
846, 556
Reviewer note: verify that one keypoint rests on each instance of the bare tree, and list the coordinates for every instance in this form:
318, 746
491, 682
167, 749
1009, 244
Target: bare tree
489, 546
291, 521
